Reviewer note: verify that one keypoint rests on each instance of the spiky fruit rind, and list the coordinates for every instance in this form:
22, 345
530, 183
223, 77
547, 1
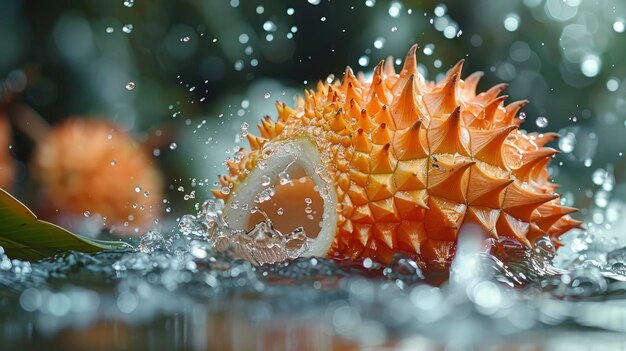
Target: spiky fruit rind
411, 161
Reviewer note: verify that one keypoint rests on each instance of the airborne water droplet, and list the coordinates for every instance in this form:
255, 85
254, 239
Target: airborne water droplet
127, 28
173, 146
130, 86
541, 122
267, 96
185, 39
129, 3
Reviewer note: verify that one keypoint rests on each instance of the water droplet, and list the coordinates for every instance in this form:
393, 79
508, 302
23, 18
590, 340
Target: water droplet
522, 116
280, 211
138, 188
368, 263
238, 65
511, 22
269, 26
619, 26
185, 39
127, 28
590, 65
267, 96
290, 11
598, 176
113, 162
243, 38
440, 10
86, 213
370, 3
567, 142
225, 190
541, 122
130, 85
265, 180
612, 84
429, 49
109, 30
379, 43
364, 61
129, 3
394, 29
314, 2
173, 146
394, 9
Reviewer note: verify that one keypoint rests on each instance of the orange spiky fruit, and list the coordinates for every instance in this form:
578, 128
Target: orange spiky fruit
398, 164
92, 166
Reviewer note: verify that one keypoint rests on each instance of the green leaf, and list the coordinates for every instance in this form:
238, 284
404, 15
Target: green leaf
25, 237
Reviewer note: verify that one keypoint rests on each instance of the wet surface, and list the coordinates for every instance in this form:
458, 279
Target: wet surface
185, 290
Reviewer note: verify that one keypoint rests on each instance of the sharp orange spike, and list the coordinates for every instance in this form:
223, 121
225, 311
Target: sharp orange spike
544, 138
448, 136
405, 110
489, 95
384, 117
493, 107
485, 217
385, 211
443, 219
374, 105
563, 225
338, 123
410, 62
411, 143
380, 160
255, 142
349, 78
521, 203
361, 142
381, 135
549, 213
354, 109
365, 122
487, 145
531, 159
509, 226
442, 100
352, 93
411, 235
379, 187
486, 190
378, 86
389, 69
411, 174
512, 109
470, 84
448, 177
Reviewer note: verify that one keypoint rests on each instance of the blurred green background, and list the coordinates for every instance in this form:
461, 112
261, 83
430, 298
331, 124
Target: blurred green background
192, 73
